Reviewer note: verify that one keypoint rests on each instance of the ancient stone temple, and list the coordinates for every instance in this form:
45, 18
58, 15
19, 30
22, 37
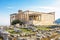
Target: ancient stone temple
35, 18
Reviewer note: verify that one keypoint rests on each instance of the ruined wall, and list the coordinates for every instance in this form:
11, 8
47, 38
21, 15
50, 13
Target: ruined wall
46, 19
41, 19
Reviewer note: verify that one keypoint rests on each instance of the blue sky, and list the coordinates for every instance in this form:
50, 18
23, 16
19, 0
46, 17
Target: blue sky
8, 7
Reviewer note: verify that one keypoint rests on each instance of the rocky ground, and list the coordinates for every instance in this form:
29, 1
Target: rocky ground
31, 33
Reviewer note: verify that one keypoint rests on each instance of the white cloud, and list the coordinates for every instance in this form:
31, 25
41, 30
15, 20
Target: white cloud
57, 10
10, 7
43, 8
4, 20
47, 7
